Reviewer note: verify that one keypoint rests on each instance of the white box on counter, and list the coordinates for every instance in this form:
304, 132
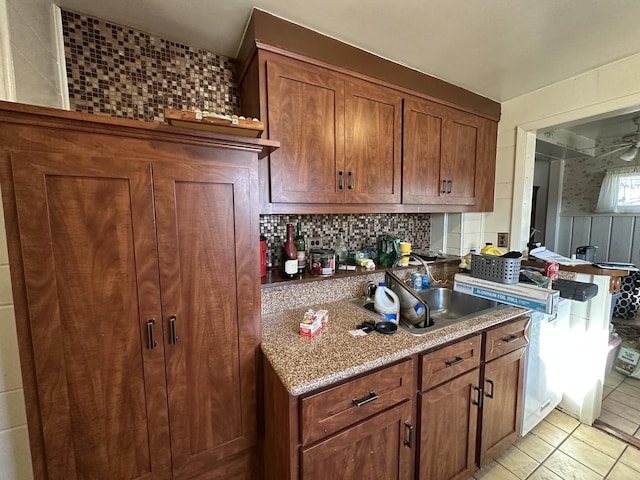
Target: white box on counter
519, 295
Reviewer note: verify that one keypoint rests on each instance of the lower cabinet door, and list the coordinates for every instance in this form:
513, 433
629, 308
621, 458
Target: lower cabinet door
381, 447
502, 404
448, 426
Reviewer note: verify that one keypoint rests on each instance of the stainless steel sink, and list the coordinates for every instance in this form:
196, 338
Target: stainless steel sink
447, 308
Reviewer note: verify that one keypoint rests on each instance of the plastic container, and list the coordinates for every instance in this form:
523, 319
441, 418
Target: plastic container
386, 303
322, 262
496, 269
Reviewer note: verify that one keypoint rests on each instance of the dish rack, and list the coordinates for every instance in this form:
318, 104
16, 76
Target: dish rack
496, 269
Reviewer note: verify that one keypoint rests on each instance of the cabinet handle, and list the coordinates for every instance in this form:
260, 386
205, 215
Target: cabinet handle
351, 179
341, 179
444, 186
478, 400
510, 338
449, 182
409, 438
490, 382
172, 328
457, 360
151, 339
370, 398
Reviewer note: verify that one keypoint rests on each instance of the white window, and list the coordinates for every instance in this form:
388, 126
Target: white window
620, 191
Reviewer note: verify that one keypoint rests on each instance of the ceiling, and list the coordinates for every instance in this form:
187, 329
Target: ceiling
497, 48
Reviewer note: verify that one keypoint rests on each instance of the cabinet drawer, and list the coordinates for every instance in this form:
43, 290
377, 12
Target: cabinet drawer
331, 410
449, 362
507, 338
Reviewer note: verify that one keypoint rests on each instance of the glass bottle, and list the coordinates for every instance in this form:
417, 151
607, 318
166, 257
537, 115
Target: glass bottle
341, 249
301, 249
289, 255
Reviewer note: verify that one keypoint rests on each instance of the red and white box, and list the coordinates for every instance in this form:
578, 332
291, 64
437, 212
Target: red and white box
313, 322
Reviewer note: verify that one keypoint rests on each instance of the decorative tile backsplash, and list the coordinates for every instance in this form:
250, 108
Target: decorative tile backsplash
359, 230
118, 71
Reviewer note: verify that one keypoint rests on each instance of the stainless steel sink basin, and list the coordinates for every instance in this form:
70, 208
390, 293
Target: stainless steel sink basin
447, 308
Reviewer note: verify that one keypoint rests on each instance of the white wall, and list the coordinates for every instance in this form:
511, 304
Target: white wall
29, 73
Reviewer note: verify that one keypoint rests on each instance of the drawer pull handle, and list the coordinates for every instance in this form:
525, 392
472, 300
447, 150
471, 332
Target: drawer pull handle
444, 186
457, 360
510, 338
351, 177
409, 440
341, 178
490, 394
370, 398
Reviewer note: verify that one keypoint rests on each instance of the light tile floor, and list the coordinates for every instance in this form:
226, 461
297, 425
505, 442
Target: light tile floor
621, 403
561, 448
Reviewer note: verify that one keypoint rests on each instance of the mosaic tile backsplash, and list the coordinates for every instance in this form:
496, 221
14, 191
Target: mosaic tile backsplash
118, 71
359, 230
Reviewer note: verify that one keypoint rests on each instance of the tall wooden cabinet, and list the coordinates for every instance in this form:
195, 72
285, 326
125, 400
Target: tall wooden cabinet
135, 281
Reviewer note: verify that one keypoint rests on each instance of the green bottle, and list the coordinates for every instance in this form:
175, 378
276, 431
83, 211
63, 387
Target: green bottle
301, 247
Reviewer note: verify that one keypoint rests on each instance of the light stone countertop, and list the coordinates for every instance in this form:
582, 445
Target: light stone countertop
305, 364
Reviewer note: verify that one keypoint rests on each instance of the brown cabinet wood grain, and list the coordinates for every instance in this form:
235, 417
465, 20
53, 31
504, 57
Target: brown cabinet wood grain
335, 408
340, 138
362, 428
376, 448
471, 418
448, 156
449, 362
502, 404
131, 248
448, 427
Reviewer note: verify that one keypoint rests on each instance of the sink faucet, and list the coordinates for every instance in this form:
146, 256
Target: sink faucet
427, 271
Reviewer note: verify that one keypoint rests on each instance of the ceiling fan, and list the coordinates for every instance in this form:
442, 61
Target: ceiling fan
630, 145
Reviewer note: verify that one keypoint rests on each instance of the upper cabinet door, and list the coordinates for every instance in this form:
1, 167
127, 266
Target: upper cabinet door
306, 115
373, 136
89, 252
462, 166
206, 249
448, 157
424, 126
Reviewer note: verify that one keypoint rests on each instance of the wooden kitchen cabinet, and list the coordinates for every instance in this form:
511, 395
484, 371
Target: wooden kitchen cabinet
448, 156
130, 249
340, 137
376, 448
503, 380
362, 428
475, 414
